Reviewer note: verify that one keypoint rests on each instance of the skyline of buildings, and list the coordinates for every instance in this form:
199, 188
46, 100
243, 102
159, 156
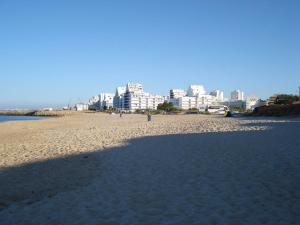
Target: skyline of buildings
132, 97
195, 97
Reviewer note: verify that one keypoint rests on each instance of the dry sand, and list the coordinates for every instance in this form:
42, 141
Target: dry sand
187, 169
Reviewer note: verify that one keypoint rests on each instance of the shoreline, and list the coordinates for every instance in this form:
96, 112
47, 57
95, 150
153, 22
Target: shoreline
39, 113
17, 112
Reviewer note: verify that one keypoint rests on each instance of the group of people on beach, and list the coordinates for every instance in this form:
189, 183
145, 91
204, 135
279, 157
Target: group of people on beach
149, 116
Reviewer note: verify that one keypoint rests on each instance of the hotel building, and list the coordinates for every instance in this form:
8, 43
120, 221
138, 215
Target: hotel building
195, 97
101, 101
134, 98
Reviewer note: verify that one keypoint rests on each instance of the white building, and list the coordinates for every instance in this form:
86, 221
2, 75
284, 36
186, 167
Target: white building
237, 95
187, 102
101, 101
207, 100
195, 97
166, 98
218, 94
196, 102
94, 99
118, 101
94, 103
177, 93
135, 88
194, 90
251, 102
81, 106
106, 100
136, 99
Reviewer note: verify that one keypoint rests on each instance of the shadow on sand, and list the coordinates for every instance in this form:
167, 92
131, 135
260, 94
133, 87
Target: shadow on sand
214, 178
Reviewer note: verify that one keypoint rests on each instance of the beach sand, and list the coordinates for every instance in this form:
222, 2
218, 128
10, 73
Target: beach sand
94, 168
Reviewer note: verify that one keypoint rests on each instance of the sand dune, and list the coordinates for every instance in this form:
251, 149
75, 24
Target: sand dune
188, 169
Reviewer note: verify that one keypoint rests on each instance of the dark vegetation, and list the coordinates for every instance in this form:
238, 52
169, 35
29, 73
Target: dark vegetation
286, 99
277, 110
282, 105
167, 107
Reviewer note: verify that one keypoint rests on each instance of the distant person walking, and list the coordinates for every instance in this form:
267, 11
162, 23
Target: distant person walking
149, 117
121, 114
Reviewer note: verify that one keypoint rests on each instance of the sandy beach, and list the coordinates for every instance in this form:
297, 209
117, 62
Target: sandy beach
95, 168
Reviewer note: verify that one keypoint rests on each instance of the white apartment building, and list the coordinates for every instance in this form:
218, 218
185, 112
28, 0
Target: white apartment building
187, 102
177, 93
197, 102
135, 88
118, 101
101, 101
207, 100
94, 103
106, 100
94, 99
142, 101
194, 90
218, 94
237, 95
81, 106
136, 99
195, 97
251, 102
166, 98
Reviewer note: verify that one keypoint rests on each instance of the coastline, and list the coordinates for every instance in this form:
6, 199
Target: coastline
40, 113
18, 112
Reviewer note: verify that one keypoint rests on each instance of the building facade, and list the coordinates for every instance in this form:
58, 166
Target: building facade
237, 95
187, 102
81, 107
118, 101
94, 103
101, 101
236, 105
251, 102
218, 94
134, 98
195, 97
194, 90
177, 93
106, 100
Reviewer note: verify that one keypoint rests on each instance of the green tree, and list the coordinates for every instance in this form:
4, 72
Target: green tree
167, 107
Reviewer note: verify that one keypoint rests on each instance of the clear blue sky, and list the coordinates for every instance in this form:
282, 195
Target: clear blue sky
55, 51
